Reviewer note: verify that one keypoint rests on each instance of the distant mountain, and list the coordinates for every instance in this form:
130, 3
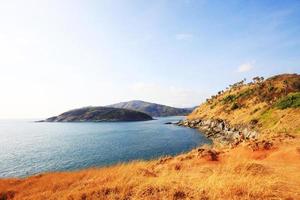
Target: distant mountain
99, 114
153, 109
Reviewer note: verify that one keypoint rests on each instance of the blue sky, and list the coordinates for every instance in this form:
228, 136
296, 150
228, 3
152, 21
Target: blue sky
58, 55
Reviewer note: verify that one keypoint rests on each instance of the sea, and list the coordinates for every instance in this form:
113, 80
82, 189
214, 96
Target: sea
29, 148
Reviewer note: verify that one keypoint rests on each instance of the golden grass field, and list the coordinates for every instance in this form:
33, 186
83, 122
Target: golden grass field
239, 173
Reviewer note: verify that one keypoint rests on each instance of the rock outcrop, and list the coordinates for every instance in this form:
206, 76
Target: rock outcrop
221, 131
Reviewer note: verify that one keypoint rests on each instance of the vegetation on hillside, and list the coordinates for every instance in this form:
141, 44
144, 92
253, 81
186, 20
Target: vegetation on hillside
269, 103
290, 101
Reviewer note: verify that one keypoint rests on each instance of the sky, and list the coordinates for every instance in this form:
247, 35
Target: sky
57, 55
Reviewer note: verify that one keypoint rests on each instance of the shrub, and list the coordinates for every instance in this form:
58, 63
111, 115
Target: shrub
229, 98
245, 93
235, 106
271, 88
232, 98
253, 121
255, 110
296, 85
290, 101
213, 106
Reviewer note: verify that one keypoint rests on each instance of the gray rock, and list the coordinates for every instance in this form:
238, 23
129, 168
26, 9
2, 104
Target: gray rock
220, 130
206, 122
221, 126
198, 121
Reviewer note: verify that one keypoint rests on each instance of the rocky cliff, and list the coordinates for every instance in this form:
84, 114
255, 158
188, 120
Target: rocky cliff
221, 131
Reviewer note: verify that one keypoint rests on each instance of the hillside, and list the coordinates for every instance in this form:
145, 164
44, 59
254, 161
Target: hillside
99, 114
153, 109
270, 107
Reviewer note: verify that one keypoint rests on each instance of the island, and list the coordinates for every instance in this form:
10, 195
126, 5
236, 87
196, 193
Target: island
99, 114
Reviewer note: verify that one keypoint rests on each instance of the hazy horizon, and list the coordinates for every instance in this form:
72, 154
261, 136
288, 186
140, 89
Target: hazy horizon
39, 118
60, 55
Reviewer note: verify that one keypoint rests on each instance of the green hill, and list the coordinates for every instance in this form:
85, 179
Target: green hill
99, 114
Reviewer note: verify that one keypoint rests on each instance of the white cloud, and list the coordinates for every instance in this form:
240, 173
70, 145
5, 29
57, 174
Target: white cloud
245, 67
184, 36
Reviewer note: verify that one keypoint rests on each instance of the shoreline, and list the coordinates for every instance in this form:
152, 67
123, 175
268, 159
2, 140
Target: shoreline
221, 131
204, 127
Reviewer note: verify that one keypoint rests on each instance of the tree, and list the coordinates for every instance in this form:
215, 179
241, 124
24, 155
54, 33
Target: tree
258, 79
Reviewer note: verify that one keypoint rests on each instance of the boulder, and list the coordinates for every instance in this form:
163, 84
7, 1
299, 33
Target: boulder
221, 125
206, 122
208, 154
198, 121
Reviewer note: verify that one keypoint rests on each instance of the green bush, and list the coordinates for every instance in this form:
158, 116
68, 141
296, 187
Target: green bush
245, 93
229, 98
232, 98
290, 101
213, 106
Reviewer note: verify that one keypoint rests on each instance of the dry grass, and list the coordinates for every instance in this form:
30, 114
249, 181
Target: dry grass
200, 174
281, 122
256, 102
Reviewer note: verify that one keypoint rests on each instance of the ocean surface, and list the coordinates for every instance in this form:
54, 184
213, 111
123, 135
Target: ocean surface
28, 148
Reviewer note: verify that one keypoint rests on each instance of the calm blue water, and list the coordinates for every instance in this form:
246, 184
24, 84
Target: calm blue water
28, 148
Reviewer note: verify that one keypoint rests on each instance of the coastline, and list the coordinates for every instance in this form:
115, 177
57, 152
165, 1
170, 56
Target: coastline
221, 131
